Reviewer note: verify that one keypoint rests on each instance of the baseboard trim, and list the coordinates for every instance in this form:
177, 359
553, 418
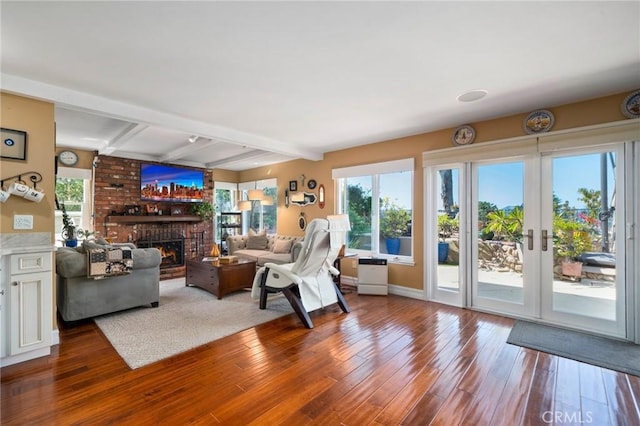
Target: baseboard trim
412, 293
55, 337
15, 359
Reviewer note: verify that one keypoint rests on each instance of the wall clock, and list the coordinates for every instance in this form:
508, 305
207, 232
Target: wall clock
463, 135
68, 158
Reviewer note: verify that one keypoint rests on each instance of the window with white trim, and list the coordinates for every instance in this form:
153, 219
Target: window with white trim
379, 201
225, 201
262, 215
74, 190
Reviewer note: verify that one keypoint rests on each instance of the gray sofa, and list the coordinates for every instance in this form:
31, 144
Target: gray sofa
237, 245
79, 297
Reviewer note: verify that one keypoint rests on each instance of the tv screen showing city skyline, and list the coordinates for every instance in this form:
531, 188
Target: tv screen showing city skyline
160, 182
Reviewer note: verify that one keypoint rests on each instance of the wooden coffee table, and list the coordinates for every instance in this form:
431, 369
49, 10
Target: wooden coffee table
220, 279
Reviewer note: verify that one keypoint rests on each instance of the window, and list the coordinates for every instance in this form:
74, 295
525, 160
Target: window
379, 201
73, 189
225, 201
262, 215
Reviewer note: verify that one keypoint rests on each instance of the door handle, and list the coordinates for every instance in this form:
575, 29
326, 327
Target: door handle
529, 237
544, 236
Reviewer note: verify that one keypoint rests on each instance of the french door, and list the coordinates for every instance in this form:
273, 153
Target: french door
518, 221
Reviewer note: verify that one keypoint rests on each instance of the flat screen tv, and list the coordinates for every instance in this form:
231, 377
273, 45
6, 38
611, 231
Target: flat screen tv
159, 182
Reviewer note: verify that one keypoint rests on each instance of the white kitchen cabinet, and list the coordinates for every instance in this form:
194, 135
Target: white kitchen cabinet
26, 306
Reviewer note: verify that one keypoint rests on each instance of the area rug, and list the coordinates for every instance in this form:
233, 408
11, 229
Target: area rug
600, 351
186, 318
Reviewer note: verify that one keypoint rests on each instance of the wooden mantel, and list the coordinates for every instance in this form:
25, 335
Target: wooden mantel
151, 219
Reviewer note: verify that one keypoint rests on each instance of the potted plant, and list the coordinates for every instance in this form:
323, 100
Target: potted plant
571, 239
70, 232
394, 223
204, 210
446, 227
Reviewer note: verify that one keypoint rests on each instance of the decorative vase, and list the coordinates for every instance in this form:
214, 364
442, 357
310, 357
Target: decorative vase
393, 245
215, 251
443, 252
71, 243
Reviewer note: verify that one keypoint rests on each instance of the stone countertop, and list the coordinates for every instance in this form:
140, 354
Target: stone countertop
25, 243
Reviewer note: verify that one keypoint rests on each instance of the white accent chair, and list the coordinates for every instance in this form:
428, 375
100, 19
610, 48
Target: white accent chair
308, 283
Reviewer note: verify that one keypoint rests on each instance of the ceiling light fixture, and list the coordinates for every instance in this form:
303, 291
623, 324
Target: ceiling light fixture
472, 95
193, 138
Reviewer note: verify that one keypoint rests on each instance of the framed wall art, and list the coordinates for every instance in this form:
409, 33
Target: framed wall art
14, 144
293, 185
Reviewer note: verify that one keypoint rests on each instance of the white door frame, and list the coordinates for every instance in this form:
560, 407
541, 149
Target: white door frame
625, 130
432, 290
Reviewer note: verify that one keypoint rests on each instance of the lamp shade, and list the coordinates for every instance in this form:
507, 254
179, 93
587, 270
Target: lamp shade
256, 194
267, 201
244, 205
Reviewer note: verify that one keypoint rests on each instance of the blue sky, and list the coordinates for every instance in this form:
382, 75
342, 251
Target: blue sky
502, 184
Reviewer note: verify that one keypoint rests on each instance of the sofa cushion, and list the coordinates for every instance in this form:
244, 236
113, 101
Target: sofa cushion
281, 246
268, 257
249, 254
257, 241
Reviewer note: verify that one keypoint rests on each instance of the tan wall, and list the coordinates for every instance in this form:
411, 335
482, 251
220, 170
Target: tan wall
85, 158
591, 112
220, 175
37, 119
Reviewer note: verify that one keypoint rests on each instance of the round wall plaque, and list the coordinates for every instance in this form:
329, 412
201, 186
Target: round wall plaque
463, 135
631, 105
538, 122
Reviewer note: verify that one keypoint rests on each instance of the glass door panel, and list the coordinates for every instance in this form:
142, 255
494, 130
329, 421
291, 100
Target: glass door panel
498, 224
583, 281
448, 229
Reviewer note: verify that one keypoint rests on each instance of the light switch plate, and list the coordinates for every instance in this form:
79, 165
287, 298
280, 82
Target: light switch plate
22, 221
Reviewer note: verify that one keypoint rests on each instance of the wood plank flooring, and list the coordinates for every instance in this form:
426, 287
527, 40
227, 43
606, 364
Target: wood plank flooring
391, 361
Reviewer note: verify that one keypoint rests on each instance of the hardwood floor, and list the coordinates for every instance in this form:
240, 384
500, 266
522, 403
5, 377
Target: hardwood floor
391, 361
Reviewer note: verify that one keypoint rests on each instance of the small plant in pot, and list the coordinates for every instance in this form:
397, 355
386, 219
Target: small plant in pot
204, 209
70, 232
394, 223
446, 227
69, 229
571, 239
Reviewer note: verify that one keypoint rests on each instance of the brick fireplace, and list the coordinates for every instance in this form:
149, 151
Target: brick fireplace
181, 236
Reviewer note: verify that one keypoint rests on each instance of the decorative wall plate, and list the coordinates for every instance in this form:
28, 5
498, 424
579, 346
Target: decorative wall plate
463, 135
631, 105
312, 184
302, 222
539, 121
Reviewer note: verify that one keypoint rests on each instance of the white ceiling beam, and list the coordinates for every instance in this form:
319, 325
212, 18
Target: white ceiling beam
187, 149
240, 157
128, 112
130, 131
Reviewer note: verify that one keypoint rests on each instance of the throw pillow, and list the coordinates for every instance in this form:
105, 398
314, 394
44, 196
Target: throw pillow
257, 241
281, 246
